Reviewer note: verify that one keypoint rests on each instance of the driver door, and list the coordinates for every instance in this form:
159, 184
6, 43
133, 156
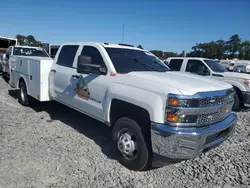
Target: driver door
90, 86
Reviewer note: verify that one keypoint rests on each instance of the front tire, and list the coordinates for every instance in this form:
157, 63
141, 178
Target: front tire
236, 102
131, 144
24, 98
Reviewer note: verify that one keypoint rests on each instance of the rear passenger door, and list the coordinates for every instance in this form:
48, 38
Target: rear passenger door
175, 64
61, 73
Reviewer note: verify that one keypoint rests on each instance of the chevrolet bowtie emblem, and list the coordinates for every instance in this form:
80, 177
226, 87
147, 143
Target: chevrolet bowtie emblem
212, 101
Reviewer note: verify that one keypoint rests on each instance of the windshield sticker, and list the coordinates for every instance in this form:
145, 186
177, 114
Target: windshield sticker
82, 89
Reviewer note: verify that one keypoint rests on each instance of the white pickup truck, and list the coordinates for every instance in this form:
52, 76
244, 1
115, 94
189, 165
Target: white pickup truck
213, 69
154, 113
19, 51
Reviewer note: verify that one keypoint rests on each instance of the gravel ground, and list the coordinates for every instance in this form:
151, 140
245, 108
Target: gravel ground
50, 145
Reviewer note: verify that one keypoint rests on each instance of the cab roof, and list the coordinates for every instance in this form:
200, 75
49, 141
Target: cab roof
197, 58
32, 47
105, 45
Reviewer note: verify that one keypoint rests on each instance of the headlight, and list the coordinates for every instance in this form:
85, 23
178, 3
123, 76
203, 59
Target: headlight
248, 69
175, 102
246, 83
175, 118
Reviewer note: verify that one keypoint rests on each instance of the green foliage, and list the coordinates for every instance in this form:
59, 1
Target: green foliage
233, 48
27, 40
164, 55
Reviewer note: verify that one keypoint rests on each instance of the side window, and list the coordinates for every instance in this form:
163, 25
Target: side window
93, 54
175, 64
67, 55
196, 66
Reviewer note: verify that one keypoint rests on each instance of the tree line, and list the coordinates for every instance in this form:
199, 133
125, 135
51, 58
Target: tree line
220, 49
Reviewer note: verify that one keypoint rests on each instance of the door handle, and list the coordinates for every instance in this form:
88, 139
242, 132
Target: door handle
53, 70
75, 76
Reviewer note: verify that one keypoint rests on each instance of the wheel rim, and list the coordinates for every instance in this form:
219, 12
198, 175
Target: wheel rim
22, 94
127, 144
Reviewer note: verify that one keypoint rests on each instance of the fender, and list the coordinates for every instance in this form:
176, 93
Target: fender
235, 83
25, 81
152, 102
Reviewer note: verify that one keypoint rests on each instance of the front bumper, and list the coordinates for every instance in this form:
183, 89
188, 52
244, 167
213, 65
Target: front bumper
186, 143
246, 97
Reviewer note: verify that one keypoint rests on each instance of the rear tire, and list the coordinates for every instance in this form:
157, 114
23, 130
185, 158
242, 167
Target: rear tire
132, 145
24, 98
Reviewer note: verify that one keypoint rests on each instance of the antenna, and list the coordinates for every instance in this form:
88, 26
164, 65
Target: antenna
123, 32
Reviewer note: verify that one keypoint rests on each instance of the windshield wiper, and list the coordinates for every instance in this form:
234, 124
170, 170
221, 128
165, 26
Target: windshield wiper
135, 59
154, 62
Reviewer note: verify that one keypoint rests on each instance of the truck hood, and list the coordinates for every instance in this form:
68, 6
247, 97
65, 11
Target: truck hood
186, 83
235, 75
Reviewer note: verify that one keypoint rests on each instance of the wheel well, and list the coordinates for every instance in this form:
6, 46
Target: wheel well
20, 80
121, 108
238, 91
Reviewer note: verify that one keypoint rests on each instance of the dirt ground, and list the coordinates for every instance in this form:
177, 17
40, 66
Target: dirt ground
50, 145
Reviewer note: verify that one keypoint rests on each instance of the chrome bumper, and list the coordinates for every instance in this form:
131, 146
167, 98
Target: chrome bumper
187, 143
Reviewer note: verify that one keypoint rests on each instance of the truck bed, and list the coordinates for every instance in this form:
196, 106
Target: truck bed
35, 71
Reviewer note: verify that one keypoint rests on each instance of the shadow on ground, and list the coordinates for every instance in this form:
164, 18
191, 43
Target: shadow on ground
91, 128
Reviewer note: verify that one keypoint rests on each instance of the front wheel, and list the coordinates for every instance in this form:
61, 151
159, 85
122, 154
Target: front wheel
131, 144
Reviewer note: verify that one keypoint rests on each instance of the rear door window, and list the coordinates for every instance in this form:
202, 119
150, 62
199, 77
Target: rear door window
67, 55
175, 64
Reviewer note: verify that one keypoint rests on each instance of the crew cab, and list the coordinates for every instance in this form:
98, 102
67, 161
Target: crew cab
155, 114
14, 51
213, 69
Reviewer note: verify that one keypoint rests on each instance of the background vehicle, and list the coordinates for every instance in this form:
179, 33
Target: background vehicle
51, 49
210, 68
153, 112
14, 51
242, 66
5, 42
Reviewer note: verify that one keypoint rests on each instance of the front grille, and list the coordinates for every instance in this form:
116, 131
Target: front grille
207, 119
213, 101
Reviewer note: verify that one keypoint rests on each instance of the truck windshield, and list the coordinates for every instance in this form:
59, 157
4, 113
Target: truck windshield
215, 66
128, 60
38, 52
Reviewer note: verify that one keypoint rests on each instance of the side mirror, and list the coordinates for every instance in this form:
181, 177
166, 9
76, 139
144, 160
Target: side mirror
203, 71
206, 72
84, 66
4, 56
